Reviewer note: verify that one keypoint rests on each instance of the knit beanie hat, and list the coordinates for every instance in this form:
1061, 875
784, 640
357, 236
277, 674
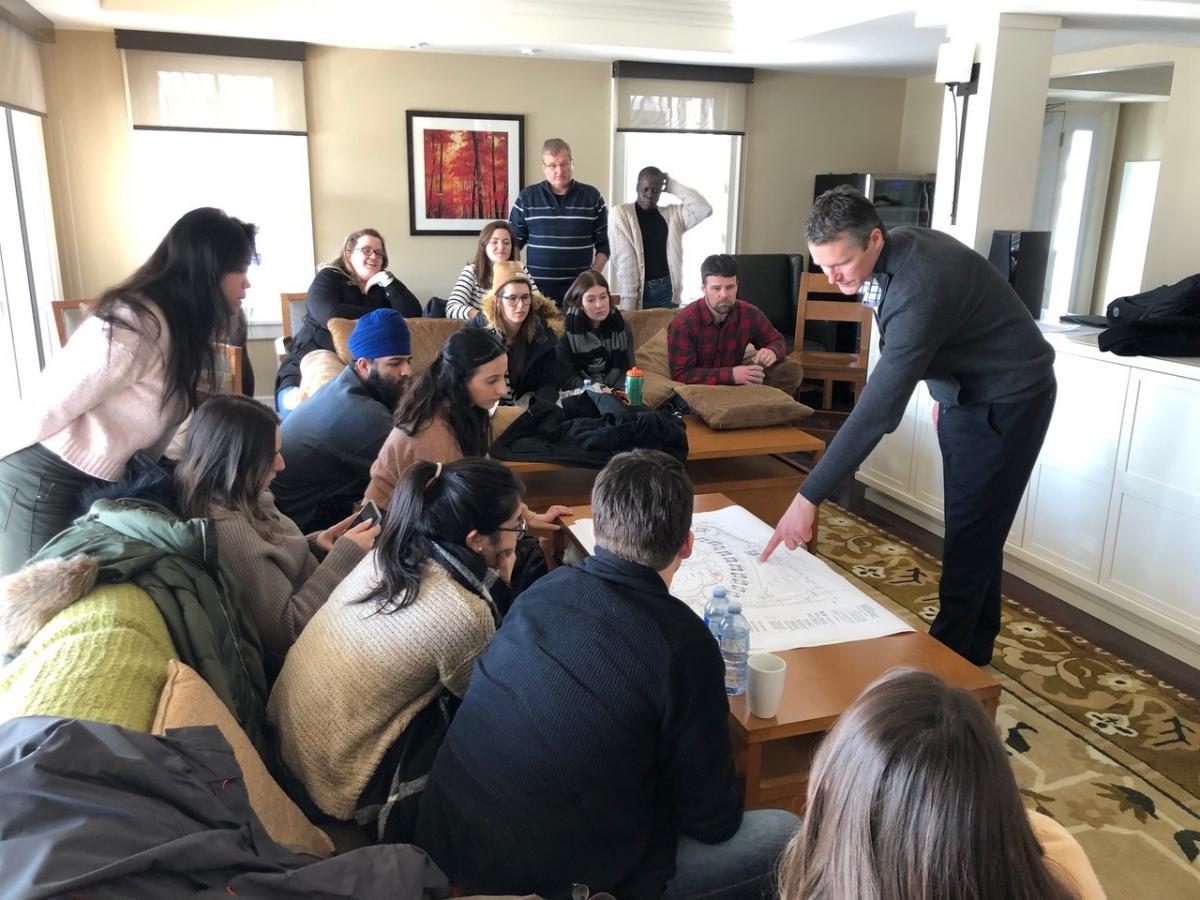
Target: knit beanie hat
380, 333
506, 272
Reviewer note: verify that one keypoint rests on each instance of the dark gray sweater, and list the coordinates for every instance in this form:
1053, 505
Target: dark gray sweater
946, 317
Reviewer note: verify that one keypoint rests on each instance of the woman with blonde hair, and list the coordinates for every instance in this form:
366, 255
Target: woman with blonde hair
349, 286
911, 797
496, 244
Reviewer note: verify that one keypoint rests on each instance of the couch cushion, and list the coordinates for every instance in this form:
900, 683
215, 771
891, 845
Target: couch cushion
317, 369
742, 406
103, 658
646, 323
428, 335
657, 386
187, 700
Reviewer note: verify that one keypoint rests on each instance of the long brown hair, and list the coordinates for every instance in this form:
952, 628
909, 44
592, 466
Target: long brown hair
584, 282
342, 260
912, 798
227, 457
483, 263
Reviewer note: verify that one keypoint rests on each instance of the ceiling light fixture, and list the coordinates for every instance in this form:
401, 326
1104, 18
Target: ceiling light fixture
530, 51
418, 45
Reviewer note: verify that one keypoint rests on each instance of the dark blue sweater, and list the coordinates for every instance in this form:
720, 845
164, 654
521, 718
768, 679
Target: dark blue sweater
595, 730
561, 235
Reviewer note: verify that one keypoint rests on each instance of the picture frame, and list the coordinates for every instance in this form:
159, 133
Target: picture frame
464, 169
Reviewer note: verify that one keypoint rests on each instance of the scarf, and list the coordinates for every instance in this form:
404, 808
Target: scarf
603, 353
468, 569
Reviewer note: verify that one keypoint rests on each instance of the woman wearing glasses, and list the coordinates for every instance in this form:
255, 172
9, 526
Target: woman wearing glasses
444, 415
367, 691
530, 326
348, 287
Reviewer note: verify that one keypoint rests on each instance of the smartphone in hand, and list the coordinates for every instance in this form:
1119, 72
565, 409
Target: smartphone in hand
370, 512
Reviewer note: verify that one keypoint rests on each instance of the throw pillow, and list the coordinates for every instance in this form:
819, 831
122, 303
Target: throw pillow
188, 700
742, 406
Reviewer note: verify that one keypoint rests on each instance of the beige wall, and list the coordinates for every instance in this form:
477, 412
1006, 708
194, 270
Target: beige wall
358, 150
1171, 252
923, 98
1141, 130
801, 125
88, 152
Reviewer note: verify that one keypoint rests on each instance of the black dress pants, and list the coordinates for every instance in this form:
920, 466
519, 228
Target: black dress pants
988, 453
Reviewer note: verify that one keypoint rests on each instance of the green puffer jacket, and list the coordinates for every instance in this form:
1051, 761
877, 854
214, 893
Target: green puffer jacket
175, 562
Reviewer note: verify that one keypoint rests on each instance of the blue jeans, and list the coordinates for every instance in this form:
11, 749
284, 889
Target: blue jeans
657, 293
742, 867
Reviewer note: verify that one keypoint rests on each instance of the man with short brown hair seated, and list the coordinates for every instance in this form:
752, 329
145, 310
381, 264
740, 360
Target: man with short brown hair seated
707, 342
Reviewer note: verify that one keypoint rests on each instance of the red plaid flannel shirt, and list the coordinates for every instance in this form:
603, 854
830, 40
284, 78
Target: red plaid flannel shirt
703, 352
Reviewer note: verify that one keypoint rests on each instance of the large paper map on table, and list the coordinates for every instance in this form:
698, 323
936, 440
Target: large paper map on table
793, 600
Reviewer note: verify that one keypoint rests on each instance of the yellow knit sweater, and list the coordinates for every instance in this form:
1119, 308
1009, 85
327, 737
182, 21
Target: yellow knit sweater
356, 678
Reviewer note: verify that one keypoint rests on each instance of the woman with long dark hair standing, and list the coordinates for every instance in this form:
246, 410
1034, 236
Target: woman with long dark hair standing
349, 286
124, 381
911, 797
280, 575
366, 692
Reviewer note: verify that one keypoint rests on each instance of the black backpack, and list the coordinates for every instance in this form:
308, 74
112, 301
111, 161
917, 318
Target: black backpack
1179, 299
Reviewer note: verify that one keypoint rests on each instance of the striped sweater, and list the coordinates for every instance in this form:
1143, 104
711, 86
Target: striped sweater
562, 235
467, 294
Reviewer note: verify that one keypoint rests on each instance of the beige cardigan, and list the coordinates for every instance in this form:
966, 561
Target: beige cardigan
628, 260
356, 678
433, 443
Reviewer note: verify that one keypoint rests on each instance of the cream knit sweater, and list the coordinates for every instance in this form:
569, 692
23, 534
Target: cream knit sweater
99, 400
356, 678
274, 571
628, 261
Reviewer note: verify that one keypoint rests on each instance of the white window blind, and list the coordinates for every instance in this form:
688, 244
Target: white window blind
20, 72
214, 93
653, 104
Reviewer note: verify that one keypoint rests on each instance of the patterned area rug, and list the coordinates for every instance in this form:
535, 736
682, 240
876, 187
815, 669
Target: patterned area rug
1105, 748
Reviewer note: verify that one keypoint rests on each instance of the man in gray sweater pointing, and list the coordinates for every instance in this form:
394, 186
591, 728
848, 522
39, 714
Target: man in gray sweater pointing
947, 317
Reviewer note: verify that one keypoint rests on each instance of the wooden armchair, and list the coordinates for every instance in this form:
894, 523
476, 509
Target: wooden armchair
827, 366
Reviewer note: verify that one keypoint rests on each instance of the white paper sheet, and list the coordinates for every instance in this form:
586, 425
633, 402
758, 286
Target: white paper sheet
793, 600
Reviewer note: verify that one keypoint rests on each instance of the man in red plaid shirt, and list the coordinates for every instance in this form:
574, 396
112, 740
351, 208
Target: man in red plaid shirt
707, 341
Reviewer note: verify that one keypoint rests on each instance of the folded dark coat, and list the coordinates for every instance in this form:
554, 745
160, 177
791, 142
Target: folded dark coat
1170, 336
588, 430
107, 812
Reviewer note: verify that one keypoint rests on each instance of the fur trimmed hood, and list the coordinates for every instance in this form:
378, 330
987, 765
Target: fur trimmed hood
31, 597
543, 309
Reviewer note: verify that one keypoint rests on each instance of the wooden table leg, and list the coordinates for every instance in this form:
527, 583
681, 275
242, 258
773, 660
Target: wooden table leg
752, 774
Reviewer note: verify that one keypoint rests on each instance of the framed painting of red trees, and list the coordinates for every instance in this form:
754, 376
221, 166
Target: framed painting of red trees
464, 170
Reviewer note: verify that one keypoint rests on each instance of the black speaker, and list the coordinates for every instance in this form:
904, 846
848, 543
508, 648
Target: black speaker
1021, 257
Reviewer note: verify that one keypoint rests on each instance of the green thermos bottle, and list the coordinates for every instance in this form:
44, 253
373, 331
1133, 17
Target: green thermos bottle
633, 386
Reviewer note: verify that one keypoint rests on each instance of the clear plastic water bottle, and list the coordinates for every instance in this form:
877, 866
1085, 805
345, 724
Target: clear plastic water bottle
735, 648
589, 385
715, 611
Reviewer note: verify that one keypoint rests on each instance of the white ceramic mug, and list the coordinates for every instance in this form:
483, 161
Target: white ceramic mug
768, 673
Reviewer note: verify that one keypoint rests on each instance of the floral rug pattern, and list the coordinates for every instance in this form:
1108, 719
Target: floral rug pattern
1105, 748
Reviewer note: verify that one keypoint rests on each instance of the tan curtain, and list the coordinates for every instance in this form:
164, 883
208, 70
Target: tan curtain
20, 71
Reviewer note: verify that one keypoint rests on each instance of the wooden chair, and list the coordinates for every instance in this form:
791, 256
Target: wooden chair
67, 316
827, 366
229, 366
291, 311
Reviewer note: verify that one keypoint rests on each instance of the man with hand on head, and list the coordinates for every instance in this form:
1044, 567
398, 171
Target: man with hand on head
592, 746
946, 317
707, 341
331, 439
647, 241
562, 224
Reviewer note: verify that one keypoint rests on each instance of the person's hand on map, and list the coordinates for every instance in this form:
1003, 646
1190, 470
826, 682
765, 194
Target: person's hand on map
795, 528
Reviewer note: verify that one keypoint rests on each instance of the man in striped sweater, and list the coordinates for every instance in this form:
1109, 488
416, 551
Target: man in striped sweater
561, 223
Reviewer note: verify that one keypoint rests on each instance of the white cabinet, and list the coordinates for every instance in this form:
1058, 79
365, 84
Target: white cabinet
1111, 519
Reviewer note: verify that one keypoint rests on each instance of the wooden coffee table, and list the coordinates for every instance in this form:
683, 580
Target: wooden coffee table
774, 755
745, 464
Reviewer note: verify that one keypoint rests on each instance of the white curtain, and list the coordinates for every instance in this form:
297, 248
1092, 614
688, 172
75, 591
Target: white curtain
222, 93
20, 71
653, 104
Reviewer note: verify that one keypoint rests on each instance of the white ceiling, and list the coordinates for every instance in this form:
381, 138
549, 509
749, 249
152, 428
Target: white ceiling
886, 37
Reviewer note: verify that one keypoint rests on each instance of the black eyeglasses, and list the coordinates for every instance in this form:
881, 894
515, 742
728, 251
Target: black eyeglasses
519, 530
